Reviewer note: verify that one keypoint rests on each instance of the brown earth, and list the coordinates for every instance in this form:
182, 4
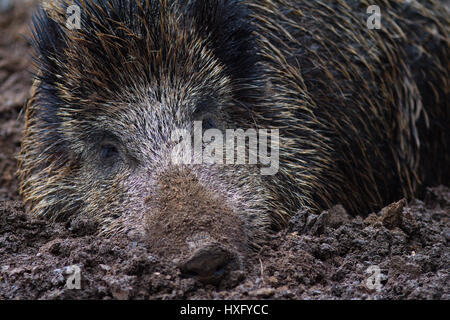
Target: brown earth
324, 256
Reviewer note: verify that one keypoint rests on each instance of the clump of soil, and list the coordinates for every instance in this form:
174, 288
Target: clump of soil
400, 252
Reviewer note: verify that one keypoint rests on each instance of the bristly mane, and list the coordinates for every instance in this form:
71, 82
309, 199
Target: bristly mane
115, 32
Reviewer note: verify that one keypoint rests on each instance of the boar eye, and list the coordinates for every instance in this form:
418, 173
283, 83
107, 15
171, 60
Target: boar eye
208, 123
108, 152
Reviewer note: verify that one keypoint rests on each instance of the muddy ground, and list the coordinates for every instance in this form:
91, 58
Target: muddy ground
401, 252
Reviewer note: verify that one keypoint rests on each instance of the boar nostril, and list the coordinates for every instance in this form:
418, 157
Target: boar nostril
207, 263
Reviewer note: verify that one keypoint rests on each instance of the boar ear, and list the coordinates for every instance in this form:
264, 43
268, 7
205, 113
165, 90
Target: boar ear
227, 24
49, 39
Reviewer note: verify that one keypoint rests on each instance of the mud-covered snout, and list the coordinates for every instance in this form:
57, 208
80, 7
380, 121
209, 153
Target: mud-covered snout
195, 226
210, 263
